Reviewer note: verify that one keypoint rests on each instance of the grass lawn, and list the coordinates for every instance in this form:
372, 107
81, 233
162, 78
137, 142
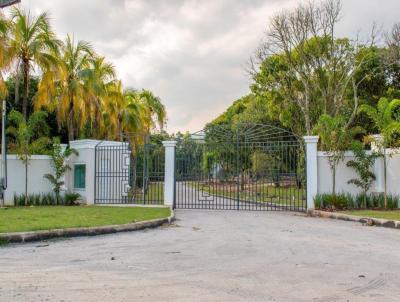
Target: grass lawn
290, 195
390, 215
154, 194
20, 219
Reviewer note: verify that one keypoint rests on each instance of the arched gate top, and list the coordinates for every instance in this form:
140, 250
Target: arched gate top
245, 132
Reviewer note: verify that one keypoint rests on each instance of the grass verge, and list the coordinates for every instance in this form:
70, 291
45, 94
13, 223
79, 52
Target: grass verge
389, 215
22, 219
289, 195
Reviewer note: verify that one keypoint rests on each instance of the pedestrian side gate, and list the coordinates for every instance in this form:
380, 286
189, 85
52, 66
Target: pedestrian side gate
129, 173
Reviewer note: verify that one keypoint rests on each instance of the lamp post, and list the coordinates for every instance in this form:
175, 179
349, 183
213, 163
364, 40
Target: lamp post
3, 180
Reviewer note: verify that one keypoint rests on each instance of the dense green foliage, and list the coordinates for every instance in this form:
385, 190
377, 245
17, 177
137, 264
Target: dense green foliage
301, 72
76, 87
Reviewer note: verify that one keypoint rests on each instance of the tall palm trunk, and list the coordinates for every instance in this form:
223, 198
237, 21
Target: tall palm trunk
26, 89
16, 92
334, 181
71, 128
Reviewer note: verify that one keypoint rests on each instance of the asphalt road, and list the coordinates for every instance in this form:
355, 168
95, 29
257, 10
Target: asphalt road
212, 256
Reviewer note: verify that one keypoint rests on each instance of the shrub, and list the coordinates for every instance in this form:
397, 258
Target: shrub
378, 201
318, 201
347, 201
46, 199
335, 202
70, 199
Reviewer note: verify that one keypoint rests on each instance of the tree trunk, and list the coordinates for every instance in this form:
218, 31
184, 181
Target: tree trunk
26, 90
384, 177
365, 199
71, 130
334, 181
26, 183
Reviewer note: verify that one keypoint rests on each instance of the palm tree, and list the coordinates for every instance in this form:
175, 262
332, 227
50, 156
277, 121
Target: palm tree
157, 112
383, 117
70, 93
122, 113
4, 52
32, 43
30, 137
100, 81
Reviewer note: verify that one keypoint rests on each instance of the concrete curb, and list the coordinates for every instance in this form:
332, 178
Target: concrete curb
394, 224
20, 237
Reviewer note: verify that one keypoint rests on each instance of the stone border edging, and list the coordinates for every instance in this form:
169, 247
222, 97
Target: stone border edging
20, 237
394, 224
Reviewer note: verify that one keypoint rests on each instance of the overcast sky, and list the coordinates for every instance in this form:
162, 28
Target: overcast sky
192, 54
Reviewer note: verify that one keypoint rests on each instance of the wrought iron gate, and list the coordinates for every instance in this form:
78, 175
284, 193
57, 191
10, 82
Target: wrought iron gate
246, 167
127, 173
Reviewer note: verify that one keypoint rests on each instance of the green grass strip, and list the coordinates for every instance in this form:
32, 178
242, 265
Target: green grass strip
21, 219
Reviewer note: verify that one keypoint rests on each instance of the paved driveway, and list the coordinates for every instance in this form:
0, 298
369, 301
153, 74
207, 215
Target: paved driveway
212, 256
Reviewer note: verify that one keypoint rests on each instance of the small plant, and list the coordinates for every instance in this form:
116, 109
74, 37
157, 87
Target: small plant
362, 164
59, 158
71, 199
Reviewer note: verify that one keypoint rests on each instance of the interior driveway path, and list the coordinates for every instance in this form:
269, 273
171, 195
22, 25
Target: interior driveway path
212, 256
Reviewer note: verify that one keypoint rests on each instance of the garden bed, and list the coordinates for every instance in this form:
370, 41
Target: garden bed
23, 219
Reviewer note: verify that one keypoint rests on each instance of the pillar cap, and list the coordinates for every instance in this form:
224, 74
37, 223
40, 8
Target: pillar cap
311, 139
169, 143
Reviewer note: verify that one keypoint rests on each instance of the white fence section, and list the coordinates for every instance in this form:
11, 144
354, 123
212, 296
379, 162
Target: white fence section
320, 178
344, 174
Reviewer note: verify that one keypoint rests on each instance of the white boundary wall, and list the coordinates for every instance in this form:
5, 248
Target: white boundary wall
344, 174
39, 165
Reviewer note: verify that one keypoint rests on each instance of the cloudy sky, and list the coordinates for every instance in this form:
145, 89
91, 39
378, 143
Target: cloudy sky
191, 53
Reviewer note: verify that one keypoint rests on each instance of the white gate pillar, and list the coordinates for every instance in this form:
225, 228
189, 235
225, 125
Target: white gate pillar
169, 179
311, 169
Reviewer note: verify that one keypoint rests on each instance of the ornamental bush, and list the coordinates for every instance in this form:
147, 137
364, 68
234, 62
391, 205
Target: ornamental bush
344, 201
